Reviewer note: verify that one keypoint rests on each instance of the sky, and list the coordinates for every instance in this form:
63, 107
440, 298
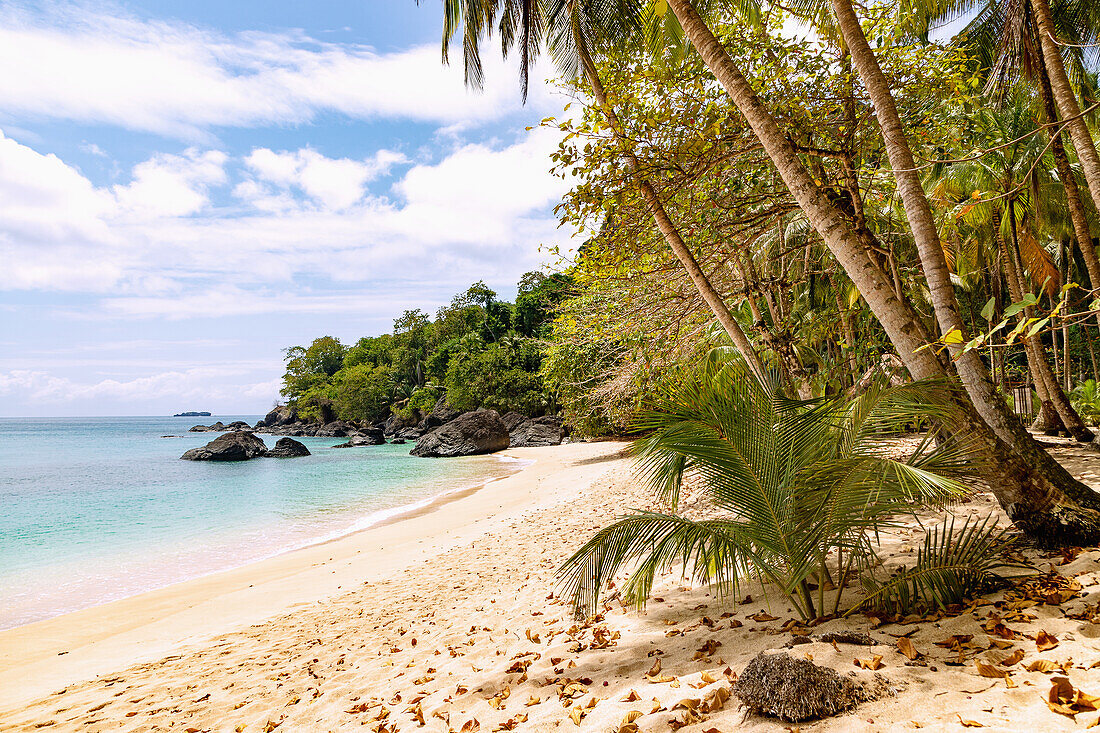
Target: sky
188, 188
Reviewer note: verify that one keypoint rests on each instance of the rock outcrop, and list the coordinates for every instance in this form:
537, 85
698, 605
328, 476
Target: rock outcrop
217, 427
365, 436
537, 432
281, 415
471, 433
335, 429
287, 448
236, 446
513, 419
441, 414
395, 424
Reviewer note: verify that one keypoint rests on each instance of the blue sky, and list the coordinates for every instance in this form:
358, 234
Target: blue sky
188, 188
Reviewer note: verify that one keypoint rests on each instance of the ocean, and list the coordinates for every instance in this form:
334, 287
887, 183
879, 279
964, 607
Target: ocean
96, 509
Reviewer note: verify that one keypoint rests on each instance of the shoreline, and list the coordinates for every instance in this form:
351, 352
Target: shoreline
502, 467
41, 657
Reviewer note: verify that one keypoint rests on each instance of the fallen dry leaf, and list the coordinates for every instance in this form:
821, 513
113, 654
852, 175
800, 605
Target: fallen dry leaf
968, 723
905, 646
988, 670
875, 662
1045, 641
1066, 700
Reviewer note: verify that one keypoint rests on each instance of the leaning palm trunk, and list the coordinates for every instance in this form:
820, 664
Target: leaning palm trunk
971, 369
1078, 216
1066, 100
665, 225
1036, 491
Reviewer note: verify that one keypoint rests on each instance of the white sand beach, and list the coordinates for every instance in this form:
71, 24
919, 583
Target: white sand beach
447, 621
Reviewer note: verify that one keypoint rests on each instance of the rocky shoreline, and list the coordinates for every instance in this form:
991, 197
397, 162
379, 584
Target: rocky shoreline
443, 432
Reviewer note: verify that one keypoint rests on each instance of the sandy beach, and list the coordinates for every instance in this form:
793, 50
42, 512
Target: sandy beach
448, 621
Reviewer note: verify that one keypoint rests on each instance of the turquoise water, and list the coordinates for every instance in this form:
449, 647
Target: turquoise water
95, 509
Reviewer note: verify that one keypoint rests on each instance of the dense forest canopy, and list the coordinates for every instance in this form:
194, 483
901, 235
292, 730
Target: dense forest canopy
479, 351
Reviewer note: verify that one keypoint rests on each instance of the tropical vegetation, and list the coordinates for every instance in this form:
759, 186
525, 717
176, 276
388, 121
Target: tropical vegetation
479, 350
829, 188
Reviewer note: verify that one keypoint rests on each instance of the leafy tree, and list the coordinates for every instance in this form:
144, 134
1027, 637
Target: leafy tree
363, 392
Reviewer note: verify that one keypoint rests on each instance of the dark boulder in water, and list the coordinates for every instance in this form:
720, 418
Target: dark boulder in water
365, 436
236, 446
215, 428
471, 433
537, 432
287, 448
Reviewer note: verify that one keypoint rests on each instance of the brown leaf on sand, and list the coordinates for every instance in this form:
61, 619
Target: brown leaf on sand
1045, 641
1065, 700
655, 669
875, 662
1041, 665
763, 616
905, 646
632, 696
968, 723
957, 641
628, 725
577, 715
471, 726
994, 627
988, 670
1012, 659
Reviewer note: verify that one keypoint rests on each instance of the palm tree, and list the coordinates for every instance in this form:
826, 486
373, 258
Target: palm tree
1007, 176
800, 486
570, 34
1038, 493
1004, 35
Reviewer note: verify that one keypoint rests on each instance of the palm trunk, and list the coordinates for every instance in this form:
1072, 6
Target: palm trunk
1046, 380
1076, 206
1066, 100
971, 369
664, 222
1040, 501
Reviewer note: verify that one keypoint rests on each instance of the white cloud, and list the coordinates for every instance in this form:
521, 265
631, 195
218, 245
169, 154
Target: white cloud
181, 80
194, 384
172, 185
333, 184
479, 213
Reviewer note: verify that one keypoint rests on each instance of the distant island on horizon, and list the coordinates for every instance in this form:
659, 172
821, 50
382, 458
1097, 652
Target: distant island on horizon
192, 414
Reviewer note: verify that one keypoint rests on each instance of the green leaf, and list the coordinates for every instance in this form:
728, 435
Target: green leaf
987, 309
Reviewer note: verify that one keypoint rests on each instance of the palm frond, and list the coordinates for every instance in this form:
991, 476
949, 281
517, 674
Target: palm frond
951, 566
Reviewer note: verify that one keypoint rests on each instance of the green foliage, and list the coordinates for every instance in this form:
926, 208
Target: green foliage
363, 392
798, 483
501, 376
951, 567
1086, 400
471, 351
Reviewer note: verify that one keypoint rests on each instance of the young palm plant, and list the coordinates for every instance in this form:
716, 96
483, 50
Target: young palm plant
801, 485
